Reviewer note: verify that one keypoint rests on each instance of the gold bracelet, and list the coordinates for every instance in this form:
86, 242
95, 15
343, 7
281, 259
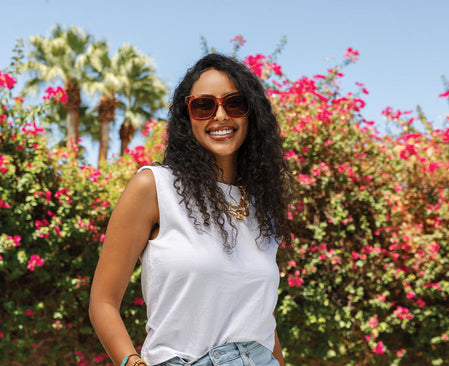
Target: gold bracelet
138, 362
128, 357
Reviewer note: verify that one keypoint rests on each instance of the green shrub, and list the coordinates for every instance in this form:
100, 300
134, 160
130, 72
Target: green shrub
367, 283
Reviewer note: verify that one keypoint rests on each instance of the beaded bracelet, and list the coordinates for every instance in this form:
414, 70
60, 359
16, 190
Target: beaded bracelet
125, 360
138, 362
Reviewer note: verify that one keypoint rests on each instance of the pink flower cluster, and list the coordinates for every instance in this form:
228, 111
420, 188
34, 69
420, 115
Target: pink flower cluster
13, 241
238, 41
29, 312
81, 281
444, 95
140, 155
408, 151
101, 357
3, 164
4, 204
149, 126
35, 260
57, 94
402, 313
351, 54
255, 63
6, 81
81, 359
294, 280
379, 348
32, 129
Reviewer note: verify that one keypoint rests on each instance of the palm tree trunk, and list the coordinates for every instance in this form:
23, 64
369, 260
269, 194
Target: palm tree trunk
104, 141
127, 132
73, 105
106, 111
72, 126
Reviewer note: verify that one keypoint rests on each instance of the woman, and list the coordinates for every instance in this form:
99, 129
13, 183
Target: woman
206, 226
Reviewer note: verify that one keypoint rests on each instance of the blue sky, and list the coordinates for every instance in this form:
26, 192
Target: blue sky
403, 44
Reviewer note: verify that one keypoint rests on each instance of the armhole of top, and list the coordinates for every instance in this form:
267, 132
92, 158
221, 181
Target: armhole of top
158, 195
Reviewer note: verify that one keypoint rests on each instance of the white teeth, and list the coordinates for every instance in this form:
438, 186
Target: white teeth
221, 132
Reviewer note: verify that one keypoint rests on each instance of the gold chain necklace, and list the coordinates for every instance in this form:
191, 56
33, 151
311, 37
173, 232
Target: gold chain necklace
240, 211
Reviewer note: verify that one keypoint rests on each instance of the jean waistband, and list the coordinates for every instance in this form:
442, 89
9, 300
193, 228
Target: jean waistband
219, 354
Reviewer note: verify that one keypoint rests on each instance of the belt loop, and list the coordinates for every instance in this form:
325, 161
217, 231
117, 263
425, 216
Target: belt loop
244, 354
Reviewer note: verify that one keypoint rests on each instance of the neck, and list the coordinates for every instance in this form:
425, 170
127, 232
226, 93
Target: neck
228, 166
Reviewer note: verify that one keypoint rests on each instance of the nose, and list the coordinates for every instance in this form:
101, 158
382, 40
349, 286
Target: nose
221, 112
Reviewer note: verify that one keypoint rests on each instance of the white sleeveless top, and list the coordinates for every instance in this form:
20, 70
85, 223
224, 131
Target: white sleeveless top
199, 296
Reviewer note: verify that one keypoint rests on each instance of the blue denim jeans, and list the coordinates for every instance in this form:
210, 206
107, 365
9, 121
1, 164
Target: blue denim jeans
230, 354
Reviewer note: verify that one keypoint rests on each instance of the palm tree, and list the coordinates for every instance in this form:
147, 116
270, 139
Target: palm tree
141, 94
57, 57
102, 79
129, 75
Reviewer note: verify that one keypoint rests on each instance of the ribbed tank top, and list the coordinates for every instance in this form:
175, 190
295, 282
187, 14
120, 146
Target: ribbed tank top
199, 296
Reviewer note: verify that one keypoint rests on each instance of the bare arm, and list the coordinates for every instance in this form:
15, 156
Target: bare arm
129, 228
277, 352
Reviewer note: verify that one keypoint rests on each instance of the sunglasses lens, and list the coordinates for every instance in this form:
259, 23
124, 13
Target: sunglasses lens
202, 108
205, 107
236, 106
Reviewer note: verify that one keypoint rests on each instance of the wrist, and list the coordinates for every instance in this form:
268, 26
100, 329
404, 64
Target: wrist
133, 359
136, 361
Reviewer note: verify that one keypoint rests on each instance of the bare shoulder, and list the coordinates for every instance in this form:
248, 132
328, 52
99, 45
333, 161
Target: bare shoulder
143, 185
140, 197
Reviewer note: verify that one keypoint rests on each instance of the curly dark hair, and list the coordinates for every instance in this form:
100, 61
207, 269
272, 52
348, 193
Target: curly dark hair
261, 169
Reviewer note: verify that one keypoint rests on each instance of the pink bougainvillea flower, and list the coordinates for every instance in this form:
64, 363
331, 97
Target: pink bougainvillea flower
444, 95
400, 352
305, 179
100, 358
238, 40
379, 349
35, 260
29, 312
408, 151
4, 204
351, 54
372, 322
402, 313
445, 337
421, 303
255, 63
56, 94
276, 68
82, 281
364, 90
39, 224
32, 129
6, 81
15, 239
294, 281
139, 301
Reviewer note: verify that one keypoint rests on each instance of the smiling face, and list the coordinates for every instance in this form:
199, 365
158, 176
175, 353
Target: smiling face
221, 134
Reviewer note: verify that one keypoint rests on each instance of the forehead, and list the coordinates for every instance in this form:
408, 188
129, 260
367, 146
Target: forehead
213, 82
